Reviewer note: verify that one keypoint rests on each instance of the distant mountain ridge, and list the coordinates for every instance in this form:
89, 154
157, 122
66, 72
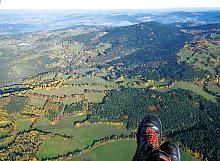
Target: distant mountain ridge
65, 19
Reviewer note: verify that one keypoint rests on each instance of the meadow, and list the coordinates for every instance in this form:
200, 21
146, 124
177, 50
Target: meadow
57, 146
201, 55
91, 80
194, 88
65, 123
86, 133
70, 90
214, 88
95, 97
185, 54
23, 125
38, 102
124, 149
68, 101
119, 150
83, 136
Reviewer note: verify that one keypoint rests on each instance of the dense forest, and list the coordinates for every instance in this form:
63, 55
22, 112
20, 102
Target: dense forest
156, 45
186, 117
148, 49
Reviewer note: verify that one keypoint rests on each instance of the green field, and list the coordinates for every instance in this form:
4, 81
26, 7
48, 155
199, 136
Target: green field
203, 56
64, 124
38, 102
60, 76
68, 101
82, 137
57, 146
48, 76
16, 104
126, 148
158, 83
70, 90
77, 47
185, 54
23, 125
194, 88
132, 83
103, 46
31, 66
83, 71
214, 88
186, 156
120, 150
91, 80
87, 132
95, 97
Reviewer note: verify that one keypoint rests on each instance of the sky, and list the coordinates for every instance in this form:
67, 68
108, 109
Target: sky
107, 4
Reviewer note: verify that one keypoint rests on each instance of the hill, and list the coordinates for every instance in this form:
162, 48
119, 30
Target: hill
78, 88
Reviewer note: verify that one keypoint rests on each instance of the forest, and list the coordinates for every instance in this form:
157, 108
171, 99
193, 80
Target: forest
186, 117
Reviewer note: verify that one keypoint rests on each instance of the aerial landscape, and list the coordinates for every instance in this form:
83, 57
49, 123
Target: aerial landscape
75, 85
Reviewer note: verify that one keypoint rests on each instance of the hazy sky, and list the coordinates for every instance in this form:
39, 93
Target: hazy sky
106, 4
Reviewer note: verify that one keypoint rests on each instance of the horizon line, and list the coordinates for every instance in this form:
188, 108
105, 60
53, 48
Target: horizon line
117, 9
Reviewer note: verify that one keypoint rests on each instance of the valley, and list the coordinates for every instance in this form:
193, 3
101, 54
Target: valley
80, 93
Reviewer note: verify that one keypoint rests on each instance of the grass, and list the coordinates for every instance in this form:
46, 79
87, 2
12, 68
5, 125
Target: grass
158, 83
62, 76
68, 91
87, 132
31, 66
56, 146
103, 46
65, 123
120, 150
37, 101
186, 156
23, 125
95, 97
48, 76
203, 56
126, 148
194, 88
185, 54
68, 101
211, 70
82, 137
83, 71
77, 47
16, 104
132, 83
214, 88
91, 80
